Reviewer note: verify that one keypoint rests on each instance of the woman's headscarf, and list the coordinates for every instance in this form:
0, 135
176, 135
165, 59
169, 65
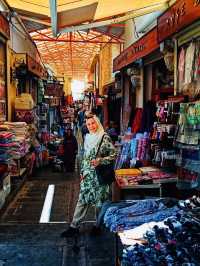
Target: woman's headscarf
93, 139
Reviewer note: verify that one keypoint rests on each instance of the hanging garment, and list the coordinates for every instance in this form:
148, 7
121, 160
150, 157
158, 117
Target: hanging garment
197, 61
189, 63
137, 120
148, 117
181, 69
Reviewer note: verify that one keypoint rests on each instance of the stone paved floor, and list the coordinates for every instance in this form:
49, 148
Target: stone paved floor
25, 242
40, 245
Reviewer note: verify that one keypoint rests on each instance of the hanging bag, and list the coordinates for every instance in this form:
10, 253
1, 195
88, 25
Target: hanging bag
105, 172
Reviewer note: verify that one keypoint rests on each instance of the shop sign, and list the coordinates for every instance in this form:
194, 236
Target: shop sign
20, 58
4, 27
54, 89
147, 44
181, 14
50, 89
35, 67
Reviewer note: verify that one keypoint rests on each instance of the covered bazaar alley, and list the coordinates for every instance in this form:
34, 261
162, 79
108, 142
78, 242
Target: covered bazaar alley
99, 133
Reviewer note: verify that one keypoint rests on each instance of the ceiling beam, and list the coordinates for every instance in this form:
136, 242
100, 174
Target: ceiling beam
71, 50
65, 40
130, 15
54, 21
39, 21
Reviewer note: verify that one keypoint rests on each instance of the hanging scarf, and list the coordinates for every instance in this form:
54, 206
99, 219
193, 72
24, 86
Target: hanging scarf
93, 139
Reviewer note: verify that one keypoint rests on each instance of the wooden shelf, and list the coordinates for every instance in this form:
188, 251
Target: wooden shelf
156, 184
147, 186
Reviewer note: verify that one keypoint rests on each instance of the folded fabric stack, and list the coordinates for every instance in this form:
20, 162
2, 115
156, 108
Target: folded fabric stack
21, 142
143, 175
139, 148
7, 144
160, 175
27, 116
126, 177
20, 131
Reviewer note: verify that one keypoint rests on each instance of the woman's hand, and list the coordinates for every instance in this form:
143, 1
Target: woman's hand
95, 162
81, 177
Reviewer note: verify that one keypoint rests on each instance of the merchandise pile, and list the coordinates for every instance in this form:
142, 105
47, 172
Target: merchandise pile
134, 149
156, 232
14, 140
7, 144
21, 137
142, 176
173, 241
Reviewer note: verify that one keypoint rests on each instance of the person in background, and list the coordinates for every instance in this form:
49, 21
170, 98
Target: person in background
112, 131
84, 130
63, 99
70, 150
80, 116
91, 192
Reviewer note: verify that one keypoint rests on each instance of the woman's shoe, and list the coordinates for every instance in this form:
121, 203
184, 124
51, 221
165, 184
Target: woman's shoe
95, 231
70, 232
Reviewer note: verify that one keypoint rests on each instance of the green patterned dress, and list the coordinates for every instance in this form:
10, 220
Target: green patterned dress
90, 190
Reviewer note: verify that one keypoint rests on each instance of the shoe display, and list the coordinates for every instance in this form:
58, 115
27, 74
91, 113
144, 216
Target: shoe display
70, 232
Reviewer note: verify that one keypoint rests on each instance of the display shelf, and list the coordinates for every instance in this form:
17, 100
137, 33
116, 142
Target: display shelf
159, 184
21, 172
147, 186
166, 181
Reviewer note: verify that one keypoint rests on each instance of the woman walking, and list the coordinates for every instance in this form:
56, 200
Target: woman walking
91, 192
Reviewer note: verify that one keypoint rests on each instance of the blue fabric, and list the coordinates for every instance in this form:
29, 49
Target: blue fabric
143, 211
107, 204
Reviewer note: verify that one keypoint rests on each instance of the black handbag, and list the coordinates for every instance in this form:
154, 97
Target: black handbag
105, 172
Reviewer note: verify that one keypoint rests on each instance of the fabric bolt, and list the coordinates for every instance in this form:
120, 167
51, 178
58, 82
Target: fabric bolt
133, 148
123, 158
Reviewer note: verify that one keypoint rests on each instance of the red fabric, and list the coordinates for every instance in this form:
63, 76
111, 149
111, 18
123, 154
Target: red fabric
136, 125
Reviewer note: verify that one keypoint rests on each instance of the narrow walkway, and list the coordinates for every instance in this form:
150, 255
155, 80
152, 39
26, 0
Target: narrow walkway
25, 242
40, 245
